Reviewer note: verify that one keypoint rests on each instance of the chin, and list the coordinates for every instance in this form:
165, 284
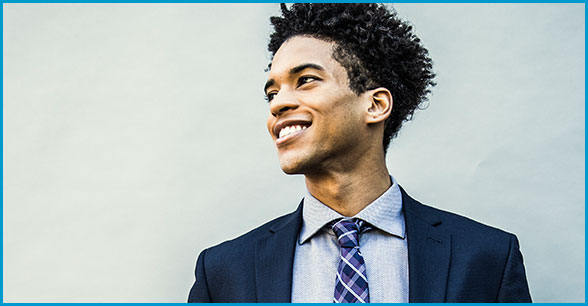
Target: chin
292, 164
290, 168
290, 171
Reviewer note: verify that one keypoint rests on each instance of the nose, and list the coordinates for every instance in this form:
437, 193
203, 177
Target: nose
282, 103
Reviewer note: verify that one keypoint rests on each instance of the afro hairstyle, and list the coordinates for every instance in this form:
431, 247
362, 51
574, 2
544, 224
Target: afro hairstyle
373, 44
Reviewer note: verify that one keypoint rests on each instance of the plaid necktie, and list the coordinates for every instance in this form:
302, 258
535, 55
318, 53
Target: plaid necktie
351, 285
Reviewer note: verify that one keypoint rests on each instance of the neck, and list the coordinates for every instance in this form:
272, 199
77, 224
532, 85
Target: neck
348, 192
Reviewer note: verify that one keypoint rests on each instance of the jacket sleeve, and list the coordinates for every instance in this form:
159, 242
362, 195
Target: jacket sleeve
513, 287
199, 292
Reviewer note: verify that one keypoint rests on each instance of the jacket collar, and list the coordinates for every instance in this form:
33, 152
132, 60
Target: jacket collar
274, 259
429, 251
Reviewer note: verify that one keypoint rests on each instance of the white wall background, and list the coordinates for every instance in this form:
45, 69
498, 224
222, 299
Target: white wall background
134, 137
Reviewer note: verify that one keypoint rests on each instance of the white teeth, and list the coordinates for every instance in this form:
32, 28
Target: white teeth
290, 129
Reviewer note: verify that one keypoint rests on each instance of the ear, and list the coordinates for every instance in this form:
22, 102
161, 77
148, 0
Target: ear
381, 105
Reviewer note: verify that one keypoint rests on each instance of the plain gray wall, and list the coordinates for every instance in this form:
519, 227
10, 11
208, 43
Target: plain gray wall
134, 137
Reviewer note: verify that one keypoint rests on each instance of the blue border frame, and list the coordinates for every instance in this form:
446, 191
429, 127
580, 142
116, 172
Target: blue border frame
188, 1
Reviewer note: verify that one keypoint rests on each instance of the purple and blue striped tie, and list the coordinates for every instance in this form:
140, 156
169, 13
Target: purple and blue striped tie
351, 285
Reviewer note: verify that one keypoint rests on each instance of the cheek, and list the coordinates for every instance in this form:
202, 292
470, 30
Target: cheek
346, 119
269, 124
346, 110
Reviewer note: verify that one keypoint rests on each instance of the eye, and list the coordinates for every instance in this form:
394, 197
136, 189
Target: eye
306, 79
270, 96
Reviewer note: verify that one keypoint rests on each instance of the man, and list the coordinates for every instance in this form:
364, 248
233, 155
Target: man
343, 79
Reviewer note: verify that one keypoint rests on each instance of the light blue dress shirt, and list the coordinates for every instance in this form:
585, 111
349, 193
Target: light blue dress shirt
384, 249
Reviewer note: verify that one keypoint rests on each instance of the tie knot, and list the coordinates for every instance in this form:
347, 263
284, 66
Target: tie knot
348, 230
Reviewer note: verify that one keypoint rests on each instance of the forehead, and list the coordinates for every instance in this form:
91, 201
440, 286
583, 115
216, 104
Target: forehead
300, 50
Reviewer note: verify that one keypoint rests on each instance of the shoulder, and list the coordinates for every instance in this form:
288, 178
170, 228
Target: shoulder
463, 225
486, 259
245, 243
462, 229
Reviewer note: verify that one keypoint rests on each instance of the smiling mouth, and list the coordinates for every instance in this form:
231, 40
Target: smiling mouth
289, 132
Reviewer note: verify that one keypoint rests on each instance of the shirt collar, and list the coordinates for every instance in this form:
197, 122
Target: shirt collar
385, 213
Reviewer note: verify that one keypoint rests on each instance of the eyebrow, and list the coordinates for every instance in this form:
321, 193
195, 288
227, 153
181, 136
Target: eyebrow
295, 70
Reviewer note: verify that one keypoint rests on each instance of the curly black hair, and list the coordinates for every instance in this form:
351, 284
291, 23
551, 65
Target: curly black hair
373, 44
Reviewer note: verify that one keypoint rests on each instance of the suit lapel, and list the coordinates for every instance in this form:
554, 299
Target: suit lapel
429, 252
274, 258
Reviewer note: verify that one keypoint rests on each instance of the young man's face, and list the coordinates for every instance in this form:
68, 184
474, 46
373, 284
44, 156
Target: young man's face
315, 120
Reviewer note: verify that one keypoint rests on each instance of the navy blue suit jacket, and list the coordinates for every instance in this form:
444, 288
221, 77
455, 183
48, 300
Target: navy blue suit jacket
450, 258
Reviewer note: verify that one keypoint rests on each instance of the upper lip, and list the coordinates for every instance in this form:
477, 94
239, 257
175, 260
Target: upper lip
289, 122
